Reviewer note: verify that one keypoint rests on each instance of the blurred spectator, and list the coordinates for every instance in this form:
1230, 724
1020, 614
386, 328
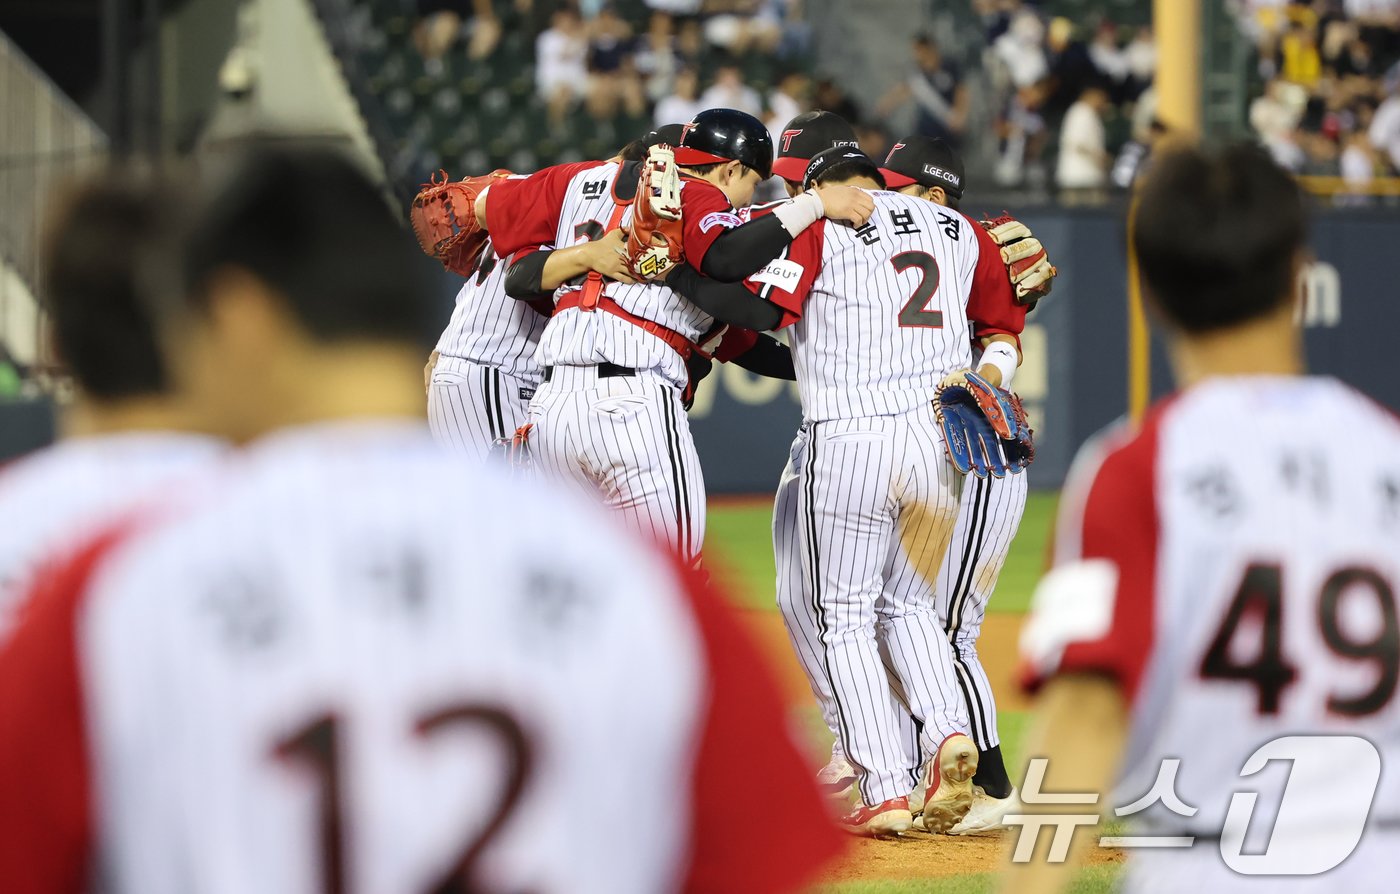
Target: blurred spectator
1084, 158
730, 92
1276, 114
613, 78
935, 85
440, 23
1132, 158
1141, 54
1301, 61
690, 43
1358, 168
1021, 49
656, 57
1021, 136
1384, 135
829, 97
740, 26
561, 71
1108, 57
683, 103
789, 99
1071, 69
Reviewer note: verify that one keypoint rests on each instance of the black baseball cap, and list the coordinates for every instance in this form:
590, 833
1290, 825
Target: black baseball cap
805, 136
926, 161
670, 134
839, 155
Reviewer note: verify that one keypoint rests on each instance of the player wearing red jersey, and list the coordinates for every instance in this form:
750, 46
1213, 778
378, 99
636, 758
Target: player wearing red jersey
350, 663
1223, 588
609, 416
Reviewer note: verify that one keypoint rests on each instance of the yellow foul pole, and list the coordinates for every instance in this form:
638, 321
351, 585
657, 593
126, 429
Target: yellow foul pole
1177, 25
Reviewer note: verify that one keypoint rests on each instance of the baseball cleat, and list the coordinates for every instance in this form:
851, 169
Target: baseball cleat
887, 818
987, 813
949, 783
837, 777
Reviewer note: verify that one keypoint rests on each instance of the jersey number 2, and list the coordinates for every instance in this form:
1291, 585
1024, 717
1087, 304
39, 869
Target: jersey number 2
915, 311
317, 746
1260, 600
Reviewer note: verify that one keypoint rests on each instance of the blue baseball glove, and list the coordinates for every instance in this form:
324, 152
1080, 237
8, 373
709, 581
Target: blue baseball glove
984, 427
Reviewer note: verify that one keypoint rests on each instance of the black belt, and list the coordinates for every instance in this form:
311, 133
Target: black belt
605, 371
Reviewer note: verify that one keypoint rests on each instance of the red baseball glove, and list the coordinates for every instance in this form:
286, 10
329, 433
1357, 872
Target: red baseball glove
654, 236
444, 219
1029, 267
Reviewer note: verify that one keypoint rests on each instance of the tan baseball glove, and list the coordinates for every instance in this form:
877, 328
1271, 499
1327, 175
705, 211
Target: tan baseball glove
654, 236
444, 219
1031, 272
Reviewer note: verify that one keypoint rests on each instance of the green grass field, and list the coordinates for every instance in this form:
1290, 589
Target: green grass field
739, 546
740, 541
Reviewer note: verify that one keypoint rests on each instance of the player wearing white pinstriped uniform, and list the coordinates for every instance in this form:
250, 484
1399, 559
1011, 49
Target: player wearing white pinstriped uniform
610, 414
582, 417
485, 372
988, 517
876, 495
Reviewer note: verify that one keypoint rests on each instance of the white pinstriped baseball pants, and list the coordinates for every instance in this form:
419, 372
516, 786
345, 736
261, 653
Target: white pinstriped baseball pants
867, 487
626, 439
471, 406
989, 515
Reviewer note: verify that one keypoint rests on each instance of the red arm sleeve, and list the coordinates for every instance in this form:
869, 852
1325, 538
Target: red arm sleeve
46, 810
705, 215
787, 280
778, 837
524, 212
1094, 611
992, 308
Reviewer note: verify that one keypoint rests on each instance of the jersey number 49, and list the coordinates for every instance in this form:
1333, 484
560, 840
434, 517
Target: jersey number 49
1257, 612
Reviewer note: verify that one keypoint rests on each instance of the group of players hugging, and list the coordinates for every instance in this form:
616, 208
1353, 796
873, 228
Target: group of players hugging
599, 293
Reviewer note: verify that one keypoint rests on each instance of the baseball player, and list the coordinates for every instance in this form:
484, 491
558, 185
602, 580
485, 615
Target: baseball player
610, 413
988, 515
1222, 594
875, 475
280, 683
128, 432
482, 374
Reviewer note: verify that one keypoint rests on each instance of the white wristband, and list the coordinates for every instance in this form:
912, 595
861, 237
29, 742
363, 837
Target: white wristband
800, 212
1004, 357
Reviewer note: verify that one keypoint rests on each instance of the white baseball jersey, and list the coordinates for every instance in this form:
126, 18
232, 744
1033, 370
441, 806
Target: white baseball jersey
56, 498
568, 204
490, 328
1233, 564
882, 313
327, 676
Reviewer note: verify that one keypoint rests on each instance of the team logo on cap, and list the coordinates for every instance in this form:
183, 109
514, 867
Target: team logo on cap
787, 138
686, 128
893, 150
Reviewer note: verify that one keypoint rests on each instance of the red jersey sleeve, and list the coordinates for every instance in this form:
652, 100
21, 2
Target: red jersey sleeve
1094, 610
705, 215
992, 307
522, 212
778, 838
787, 280
46, 813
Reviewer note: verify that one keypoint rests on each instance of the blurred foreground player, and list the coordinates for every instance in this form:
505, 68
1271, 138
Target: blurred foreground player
319, 673
1223, 577
127, 431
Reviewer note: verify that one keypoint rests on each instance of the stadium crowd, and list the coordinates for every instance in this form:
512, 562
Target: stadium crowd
1330, 96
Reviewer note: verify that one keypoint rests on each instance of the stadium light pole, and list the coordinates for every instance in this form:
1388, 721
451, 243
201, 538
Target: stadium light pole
1177, 26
